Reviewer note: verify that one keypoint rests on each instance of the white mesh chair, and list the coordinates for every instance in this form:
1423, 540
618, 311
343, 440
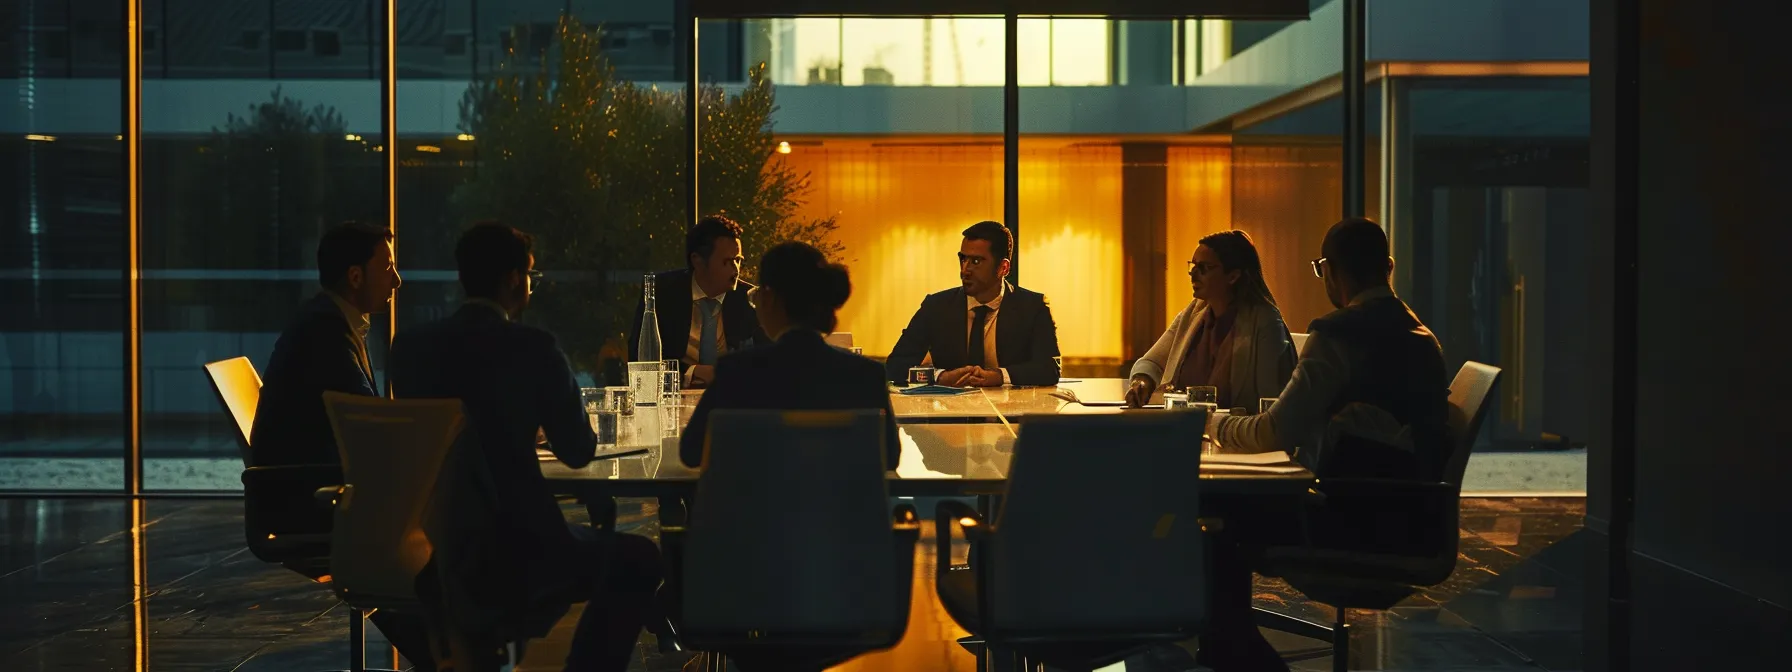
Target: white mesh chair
391, 452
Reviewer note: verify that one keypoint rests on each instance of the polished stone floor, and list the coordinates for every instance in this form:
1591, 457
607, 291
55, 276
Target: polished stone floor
73, 601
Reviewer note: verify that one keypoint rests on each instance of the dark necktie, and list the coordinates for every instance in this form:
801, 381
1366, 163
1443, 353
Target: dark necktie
981, 318
706, 347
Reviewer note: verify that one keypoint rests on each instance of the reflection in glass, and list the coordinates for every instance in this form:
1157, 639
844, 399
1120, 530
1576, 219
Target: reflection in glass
231, 220
62, 263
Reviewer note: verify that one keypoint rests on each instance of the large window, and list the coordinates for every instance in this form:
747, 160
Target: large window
878, 139
62, 251
240, 178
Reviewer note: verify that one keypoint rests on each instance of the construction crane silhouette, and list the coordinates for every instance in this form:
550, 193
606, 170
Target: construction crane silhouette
927, 52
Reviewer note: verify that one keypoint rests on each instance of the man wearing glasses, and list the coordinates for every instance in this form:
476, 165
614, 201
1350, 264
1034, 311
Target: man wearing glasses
986, 332
1369, 396
502, 547
1369, 399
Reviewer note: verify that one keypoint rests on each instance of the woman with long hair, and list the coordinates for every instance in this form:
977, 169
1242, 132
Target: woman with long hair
1230, 336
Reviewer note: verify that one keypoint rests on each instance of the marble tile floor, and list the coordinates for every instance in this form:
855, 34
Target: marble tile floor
66, 583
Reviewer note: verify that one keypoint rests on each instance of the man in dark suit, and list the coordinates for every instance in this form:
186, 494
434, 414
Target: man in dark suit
985, 333
703, 309
1369, 399
324, 349
516, 557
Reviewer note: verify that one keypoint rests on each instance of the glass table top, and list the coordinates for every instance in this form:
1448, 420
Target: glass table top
971, 448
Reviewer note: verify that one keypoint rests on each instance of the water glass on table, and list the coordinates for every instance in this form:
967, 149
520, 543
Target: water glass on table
671, 381
1264, 404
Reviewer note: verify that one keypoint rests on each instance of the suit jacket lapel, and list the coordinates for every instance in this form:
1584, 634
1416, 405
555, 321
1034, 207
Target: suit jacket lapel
366, 366
953, 339
323, 303
1011, 327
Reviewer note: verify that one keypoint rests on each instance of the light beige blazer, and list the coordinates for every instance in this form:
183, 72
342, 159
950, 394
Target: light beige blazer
1262, 351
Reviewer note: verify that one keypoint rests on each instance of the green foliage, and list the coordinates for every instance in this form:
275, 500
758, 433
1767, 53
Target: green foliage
593, 166
273, 180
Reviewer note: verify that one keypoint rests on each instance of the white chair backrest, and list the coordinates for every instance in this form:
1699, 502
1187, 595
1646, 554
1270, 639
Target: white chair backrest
392, 450
1111, 504
239, 389
840, 339
1300, 342
1471, 393
791, 529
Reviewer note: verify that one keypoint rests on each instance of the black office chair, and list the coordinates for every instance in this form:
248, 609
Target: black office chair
1097, 552
1378, 580
791, 560
287, 508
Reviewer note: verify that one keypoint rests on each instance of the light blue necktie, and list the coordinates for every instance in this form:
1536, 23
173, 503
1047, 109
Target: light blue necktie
706, 344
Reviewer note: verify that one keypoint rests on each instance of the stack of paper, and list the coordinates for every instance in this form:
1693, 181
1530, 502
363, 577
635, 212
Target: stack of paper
1276, 462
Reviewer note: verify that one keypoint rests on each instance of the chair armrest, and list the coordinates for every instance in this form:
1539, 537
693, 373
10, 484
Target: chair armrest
327, 496
283, 500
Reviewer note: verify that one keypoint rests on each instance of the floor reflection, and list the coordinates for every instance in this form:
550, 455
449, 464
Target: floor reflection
168, 585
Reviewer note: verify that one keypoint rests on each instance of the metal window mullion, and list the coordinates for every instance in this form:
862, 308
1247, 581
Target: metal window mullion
1011, 139
132, 84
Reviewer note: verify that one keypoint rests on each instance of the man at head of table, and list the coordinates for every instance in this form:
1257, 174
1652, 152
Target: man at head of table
984, 332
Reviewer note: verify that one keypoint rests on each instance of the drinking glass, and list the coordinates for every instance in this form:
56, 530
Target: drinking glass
1175, 400
604, 423
1204, 394
856, 350
1264, 404
593, 398
671, 379
644, 377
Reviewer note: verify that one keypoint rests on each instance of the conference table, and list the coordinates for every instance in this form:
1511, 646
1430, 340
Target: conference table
952, 446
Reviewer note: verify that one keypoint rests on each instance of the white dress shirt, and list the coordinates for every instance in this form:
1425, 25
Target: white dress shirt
357, 320
989, 328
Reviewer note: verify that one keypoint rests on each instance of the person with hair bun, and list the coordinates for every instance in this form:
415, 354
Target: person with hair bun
798, 295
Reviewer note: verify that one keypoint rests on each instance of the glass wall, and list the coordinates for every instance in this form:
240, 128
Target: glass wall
1495, 212
240, 178
62, 248
879, 140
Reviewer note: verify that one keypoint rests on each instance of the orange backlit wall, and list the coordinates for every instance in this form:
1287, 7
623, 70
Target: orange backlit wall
902, 204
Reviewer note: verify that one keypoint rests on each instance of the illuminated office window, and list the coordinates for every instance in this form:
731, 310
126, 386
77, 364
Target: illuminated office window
1206, 44
940, 51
